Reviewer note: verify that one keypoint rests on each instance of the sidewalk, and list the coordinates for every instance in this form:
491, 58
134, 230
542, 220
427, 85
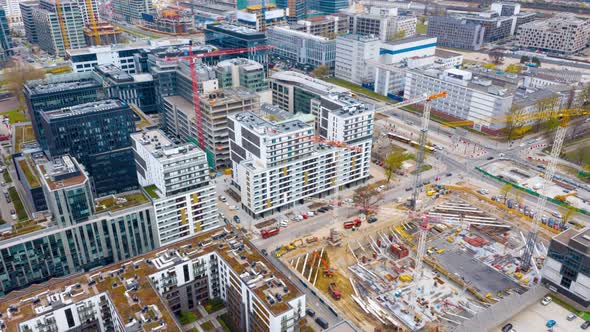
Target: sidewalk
212, 318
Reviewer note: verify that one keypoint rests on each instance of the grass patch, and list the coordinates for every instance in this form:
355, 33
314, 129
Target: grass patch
187, 317
223, 324
207, 326
421, 28
7, 177
580, 155
226, 323
425, 168
22, 134
357, 88
21, 213
151, 190
30, 174
214, 305
111, 204
16, 116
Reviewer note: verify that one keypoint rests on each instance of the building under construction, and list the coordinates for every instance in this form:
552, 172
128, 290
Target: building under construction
252, 17
107, 34
171, 20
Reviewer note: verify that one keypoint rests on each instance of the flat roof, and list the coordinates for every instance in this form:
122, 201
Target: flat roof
182, 105
92, 107
302, 34
267, 128
62, 172
120, 201
409, 40
160, 146
45, 87
308, 82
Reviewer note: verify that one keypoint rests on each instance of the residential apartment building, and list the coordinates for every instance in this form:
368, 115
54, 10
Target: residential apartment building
383, 23
215, 265
328, 26
469, 97
241, 72
277, 165
565, 271
232, 36
84, 233
180, 119
12, 12
456, 32
59, 91
5, 39
565, 34
176, 178
55, 37
302, 47
136, 89
26, 9
131, 10
355, 55
294, 91
98, 135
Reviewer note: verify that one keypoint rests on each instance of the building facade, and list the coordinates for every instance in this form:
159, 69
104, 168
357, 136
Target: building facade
328, 26
297, 9
176, 178
55, 37
303, 48
5, 39
232, 36
98, 135
252, 17
383, 23
565, 34
456, 32
26, 9
355, 55
136, 89
241, 72
131, 10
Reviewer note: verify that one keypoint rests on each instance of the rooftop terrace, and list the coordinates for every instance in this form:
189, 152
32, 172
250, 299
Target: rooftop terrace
264, 127
120, 201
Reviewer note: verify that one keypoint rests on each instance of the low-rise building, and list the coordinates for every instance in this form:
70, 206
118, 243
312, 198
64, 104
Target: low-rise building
176, 179
302, 48
355, 55
456, 32
252, 17
565, 34
328, 26
242, 72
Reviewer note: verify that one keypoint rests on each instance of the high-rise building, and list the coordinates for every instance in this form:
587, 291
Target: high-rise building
383, 23
565, 271
232, 36
564, 34
294, 92
277, 165
136, 89
98, 135
251, 17
301, 47
26, 9
12, 12
84, 233
496, 27
456, 32
131, 10
241, 72
58, 91
58, 30
5, 39
354, 57
176, 178
328, 6
297, 9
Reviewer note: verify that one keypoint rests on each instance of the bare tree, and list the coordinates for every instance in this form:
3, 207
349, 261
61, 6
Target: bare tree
513, 124
505, 190
17, 74
496, 56
366, 198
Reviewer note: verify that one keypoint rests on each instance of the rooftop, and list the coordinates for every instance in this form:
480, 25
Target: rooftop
62, 172
346, 106
116, 281
471, 80
92, 107
409, 40
362, 38
137, 45
264, 127
247, 64
60, 83
301, 34
118, 75
555, 23
307, 82
160, 146
445, 54
234, 28
224, 96
575, 238
120, 201
182, 105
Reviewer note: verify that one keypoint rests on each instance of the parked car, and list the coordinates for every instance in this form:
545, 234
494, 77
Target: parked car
449, 174
223, 199
237, 219
490, 158
507, 327
551, 323
546, 300
372, 220
310, 312
571, 316
585, 325
409, 189
322, 322
13, 214
264, 252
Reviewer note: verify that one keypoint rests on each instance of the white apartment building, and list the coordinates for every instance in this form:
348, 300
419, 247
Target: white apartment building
278, 165
301, 47
383, 23
176, 178
563, 33
355, 55
120, 55
469, 97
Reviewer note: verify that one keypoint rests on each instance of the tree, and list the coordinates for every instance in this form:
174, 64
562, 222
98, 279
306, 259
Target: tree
366, 197
489, 66
392, 163
17, 74
546, 104
585, 95
567, 213
505, 190
512, 123
400, 34
514, 69
536, 61
496, 56
524, 59
321, 71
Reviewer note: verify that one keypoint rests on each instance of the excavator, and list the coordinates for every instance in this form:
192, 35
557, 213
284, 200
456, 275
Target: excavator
563, 198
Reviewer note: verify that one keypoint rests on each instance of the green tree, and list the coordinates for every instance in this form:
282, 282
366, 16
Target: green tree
399, 34
392, 163
321, 71
524, 59
567, 213
366, 198
514, 69
546, 104
17, 74
513, 124
505, 190
585, 94
536, 61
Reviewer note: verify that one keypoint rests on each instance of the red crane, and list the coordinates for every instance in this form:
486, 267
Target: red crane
195, 83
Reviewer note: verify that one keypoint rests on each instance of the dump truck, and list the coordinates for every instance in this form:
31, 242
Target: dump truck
334, 292
266, 233
351, 224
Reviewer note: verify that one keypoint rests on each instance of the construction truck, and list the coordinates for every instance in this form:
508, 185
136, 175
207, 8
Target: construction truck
563, 198
311, 240
335, 293
351, 224
266, 233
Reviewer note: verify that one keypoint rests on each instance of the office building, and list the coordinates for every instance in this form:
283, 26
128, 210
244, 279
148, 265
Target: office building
136, 89
58, 91
328, 26
400, 50
131, 10
506, 8
383, 23
469, 96
565, 271
97, 134
26, 170
252, 17
565, 34
55, 37
176, 179
355, 55
241, 72
456, 32
179, 114
302, 48
12, 12
294, 91
223, 35
26, 9
328, 6
83, 234
277, 165
215, 265
5, 39
296, 9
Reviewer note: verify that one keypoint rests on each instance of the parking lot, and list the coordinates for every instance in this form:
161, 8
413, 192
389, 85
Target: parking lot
535, 317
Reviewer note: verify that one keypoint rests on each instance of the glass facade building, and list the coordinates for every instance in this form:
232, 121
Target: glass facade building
98, 135
233, 36
5, 39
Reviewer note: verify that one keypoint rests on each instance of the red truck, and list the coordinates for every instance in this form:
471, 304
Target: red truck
266, 233
351, 224
399, 250
334, 292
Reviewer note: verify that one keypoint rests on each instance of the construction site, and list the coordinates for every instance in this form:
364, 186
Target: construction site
368, 266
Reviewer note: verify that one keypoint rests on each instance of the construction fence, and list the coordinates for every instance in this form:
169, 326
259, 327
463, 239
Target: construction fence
502, 311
